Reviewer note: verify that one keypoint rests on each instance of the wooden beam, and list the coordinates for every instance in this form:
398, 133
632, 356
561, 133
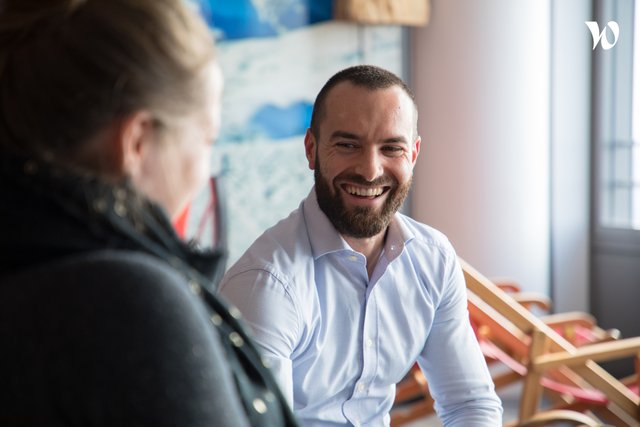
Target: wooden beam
388, 12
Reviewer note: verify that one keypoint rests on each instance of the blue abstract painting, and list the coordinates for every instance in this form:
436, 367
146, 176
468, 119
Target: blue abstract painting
239, 19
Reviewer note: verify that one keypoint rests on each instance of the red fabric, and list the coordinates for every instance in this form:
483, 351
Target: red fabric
180, 224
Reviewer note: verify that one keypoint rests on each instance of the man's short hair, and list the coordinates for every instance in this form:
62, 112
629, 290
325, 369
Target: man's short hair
367, 76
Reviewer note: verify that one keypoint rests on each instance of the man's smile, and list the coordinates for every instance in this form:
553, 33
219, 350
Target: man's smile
367, 192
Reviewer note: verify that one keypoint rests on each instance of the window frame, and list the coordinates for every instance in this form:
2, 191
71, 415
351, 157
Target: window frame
612, 120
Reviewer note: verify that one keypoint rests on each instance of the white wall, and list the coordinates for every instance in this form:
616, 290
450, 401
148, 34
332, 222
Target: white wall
481, 72
570, 148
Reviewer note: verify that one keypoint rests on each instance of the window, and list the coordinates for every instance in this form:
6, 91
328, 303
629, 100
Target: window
617, 118
635, 124
615, 238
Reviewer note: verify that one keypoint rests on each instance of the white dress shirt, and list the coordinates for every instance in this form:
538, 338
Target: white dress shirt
338, 341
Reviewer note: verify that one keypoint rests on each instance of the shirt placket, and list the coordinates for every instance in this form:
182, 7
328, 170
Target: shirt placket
356, 407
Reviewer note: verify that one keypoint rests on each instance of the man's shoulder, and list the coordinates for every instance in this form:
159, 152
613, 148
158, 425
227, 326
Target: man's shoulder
431, 254
284, 247
424, 235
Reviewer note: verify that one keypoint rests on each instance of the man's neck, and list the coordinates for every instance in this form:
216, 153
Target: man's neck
370, 247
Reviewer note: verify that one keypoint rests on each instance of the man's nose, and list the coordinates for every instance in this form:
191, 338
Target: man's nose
369, 165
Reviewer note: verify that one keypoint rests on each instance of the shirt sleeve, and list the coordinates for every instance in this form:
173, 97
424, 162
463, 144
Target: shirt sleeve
452, 361
269, 310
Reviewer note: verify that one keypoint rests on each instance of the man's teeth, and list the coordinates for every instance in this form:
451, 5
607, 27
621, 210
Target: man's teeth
364, 192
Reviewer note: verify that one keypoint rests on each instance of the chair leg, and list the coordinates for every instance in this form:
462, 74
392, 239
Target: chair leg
532, 388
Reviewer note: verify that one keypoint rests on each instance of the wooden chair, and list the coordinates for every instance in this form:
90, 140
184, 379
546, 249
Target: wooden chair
562, 416
504, 343
413, 399
548, 362
530, 300
507, 346
577, 327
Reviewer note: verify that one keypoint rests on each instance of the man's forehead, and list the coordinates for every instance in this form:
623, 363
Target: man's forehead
353, 99
345, 96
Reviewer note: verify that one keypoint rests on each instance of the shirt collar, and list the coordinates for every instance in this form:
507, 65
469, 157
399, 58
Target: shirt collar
324, 238
398, 235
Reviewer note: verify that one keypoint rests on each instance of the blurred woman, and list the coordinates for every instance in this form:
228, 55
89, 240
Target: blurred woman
108, 111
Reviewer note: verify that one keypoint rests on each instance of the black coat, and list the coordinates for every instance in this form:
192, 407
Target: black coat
106, 318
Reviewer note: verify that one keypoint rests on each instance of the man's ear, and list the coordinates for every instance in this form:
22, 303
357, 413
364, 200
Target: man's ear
132, 140
310, 148
415, 150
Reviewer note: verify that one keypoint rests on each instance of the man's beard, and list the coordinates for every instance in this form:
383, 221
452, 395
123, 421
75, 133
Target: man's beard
358, 221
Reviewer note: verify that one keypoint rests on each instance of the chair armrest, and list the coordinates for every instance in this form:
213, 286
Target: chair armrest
579, 318
597, 352
580, 328
532, 299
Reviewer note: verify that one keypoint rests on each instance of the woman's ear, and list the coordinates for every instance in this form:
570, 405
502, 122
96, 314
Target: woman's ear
132, 140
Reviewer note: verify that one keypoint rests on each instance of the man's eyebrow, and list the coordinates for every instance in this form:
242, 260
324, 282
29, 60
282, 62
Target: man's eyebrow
348, 135
396, 139
343, 134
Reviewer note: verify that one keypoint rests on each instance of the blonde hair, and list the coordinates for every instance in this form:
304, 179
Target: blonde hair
70, 67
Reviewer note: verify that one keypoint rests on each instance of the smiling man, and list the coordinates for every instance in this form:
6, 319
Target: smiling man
345, 294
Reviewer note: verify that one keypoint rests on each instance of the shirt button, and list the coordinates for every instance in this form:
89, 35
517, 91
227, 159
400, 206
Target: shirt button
392, 248
369, 343
353, 258
360, 388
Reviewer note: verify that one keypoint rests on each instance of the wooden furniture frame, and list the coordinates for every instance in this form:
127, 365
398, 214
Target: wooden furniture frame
549, 356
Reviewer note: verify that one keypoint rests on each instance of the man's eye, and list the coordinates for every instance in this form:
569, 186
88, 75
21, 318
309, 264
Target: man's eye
393, 149
347, 145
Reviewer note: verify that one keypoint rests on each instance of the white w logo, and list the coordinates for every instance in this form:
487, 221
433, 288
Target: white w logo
601, 37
